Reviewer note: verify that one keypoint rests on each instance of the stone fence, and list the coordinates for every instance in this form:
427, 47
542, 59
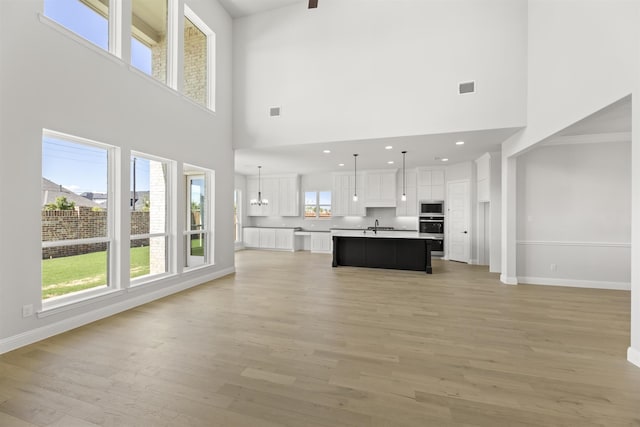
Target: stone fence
84, 223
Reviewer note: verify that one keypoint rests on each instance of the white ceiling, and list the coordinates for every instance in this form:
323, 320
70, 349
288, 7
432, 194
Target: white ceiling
421, 151
613, 118
239, 8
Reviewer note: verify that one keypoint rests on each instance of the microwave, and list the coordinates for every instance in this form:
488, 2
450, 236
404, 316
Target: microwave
431, 207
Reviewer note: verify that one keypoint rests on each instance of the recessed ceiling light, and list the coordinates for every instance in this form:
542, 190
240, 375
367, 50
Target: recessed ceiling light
445, 159
326, 151
460, 143
388, 147
390, 162
341, 164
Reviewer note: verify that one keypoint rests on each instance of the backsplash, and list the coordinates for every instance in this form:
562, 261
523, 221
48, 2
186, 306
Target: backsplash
385, 216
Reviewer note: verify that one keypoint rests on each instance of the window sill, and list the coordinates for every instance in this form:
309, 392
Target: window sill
52, 307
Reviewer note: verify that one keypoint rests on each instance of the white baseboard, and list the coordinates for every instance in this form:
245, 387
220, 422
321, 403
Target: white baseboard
593, 284
633, 356
508, 280
35, 335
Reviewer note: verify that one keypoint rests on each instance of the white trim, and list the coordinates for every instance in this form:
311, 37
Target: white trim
508, 280
74, 242
115, 28
35, 335
589, 139
633, 356
572, 283
572, 243
56, 307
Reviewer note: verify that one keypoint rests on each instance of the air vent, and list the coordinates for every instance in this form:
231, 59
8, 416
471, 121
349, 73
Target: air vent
274, 111
466, 87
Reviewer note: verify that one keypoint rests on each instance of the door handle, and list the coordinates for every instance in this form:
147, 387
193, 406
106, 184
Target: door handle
464, 232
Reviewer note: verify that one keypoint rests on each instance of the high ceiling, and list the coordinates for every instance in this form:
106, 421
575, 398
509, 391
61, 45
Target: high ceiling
239, 8
422, 150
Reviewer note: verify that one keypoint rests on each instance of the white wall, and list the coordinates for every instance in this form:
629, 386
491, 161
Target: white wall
574, 211
580, 59
362, 69
633, 354
582, 56
50, 80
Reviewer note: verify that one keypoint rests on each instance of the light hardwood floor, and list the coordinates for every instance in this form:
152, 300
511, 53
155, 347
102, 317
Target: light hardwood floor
290, 341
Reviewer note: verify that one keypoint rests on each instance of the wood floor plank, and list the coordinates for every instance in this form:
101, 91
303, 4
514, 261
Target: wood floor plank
290, 341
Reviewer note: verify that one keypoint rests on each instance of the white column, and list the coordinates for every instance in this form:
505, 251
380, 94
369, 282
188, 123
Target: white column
508, 273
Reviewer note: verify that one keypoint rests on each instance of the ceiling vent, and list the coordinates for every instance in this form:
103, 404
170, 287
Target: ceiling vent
274, 111
466, 87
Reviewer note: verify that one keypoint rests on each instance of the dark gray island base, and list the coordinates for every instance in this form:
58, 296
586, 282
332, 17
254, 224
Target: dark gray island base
392, 253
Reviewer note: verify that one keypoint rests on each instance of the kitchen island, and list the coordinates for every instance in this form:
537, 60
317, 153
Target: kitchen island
394, 250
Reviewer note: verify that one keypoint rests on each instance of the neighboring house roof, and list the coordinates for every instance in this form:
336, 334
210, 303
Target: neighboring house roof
51, 191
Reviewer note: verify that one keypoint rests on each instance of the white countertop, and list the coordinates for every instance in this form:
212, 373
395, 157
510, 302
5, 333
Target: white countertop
382, 234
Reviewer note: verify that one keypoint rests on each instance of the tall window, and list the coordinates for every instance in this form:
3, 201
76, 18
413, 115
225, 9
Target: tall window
77, 205
198, 234
317, 204
149, 37
237, 215
87, 18
198, 71
148, 205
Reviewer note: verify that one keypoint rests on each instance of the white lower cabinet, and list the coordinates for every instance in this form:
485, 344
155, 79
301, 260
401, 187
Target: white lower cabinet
321, 242
251, 237
284, 239
269, 238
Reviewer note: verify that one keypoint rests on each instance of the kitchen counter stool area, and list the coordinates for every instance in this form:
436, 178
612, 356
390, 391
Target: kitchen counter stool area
377, 250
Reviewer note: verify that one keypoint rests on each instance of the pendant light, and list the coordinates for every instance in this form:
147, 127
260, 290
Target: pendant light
355, 177
259, 201
404, 177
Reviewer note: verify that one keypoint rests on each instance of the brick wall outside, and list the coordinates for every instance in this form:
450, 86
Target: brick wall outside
83, 223
195, 62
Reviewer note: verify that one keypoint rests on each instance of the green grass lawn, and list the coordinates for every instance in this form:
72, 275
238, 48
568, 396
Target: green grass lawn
61, 276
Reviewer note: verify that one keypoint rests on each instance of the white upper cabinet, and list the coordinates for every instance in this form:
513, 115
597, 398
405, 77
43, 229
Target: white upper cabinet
380, 188
343, 189
430, 184
289, 196
410, 206
282, 193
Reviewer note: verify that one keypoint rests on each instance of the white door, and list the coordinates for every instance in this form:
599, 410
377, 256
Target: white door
458, 221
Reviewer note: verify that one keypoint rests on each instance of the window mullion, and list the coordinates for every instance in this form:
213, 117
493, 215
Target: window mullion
115, 27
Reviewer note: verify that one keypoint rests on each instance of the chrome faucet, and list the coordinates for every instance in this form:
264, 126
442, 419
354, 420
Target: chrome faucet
375, 226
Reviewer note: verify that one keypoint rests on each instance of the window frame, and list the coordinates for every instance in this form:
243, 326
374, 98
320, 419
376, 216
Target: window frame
207, 218
168, 224
317, 205
210, 103
113, 280
114, 24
